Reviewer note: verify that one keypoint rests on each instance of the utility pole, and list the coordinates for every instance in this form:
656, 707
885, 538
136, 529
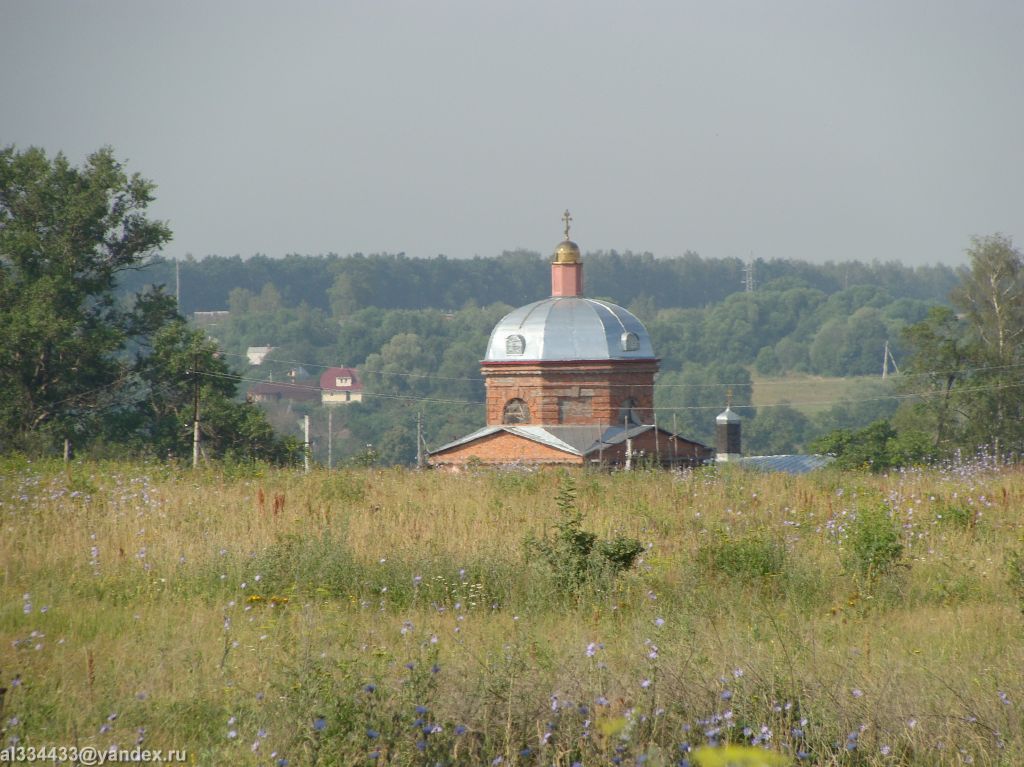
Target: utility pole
305, 451
419, 441
330, 438
629, 443
675, 438
885, 362
895, 367
195, 410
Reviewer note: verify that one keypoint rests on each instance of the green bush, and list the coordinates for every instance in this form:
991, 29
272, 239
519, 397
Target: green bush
575, 557
1015, 571
958, 515
877, 448
874, 546
748, 558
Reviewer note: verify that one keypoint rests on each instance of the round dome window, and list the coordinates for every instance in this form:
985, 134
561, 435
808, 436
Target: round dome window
630, 342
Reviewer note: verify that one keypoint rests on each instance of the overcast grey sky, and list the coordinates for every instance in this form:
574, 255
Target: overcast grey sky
813, 130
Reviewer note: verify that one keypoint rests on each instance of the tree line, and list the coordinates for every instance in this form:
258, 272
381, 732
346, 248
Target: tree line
342, 284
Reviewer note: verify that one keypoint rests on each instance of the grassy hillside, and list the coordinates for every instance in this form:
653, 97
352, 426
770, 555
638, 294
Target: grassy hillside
365, 617
813, 394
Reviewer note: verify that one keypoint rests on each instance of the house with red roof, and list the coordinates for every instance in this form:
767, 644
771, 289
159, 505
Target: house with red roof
340, 386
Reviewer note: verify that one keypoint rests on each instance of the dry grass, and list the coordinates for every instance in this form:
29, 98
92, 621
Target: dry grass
157, 627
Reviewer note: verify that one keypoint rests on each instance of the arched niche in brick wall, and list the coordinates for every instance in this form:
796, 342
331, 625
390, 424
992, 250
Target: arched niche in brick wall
516, 411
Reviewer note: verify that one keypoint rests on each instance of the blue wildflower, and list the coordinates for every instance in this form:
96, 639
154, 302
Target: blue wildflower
319, 724
372, 734
460, 729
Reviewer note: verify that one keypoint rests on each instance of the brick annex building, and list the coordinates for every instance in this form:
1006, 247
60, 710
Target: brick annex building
570, 380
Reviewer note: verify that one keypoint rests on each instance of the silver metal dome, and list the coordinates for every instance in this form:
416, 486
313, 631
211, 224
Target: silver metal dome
728, 416
569, 328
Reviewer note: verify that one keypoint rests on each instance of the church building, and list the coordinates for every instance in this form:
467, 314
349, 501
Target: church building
570, 380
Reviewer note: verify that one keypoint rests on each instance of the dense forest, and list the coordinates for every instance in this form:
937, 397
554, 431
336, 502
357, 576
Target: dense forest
417, 328
393, 281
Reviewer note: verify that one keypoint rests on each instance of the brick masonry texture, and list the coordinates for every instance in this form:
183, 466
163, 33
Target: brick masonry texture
572, 393
505, 448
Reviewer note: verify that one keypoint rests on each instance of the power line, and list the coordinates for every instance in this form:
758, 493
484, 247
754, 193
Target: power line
311, 387
479, 379
678, 408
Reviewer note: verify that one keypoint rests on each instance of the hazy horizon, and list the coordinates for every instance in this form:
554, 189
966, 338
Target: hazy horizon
815, 131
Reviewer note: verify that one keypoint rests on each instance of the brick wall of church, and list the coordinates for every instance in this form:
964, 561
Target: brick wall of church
571, 393
503, 448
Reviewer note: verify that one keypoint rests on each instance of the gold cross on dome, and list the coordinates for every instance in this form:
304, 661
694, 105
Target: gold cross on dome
728, 397
568, 220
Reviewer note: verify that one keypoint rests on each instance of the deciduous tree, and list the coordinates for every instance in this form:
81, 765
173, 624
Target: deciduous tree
66, 233
75, 361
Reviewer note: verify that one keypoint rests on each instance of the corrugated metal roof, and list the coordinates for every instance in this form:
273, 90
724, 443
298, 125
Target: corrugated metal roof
546, 436
566, 438
569, 328
484, 432
579, 438
789, 464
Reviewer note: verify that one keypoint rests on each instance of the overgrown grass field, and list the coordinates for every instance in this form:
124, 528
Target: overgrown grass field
370, 617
